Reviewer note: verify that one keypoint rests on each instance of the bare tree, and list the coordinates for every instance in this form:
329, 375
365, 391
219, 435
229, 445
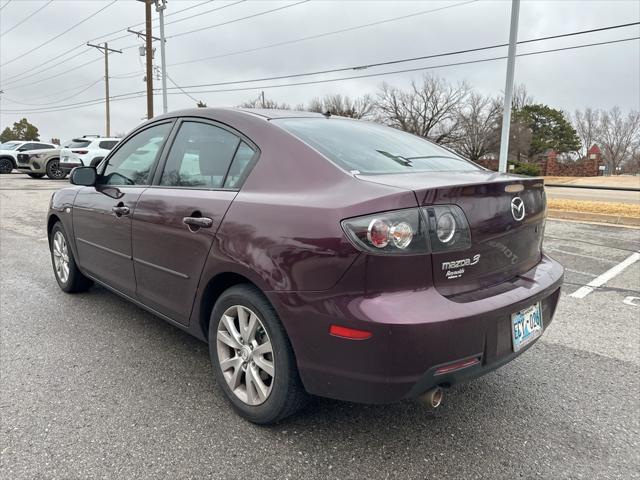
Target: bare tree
618, 136
362, 107
521, 97
587, 125
262, 102
479, 127
429, 109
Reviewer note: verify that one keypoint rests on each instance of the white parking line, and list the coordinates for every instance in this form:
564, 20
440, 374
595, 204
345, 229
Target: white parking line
592, 257
606, 276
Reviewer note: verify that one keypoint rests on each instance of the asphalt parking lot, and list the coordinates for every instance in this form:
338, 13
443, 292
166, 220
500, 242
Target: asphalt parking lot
94, 387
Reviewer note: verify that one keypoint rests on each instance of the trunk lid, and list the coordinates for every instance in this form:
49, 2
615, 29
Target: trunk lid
503, 246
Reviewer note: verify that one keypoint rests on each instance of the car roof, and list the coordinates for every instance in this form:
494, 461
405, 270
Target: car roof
265, 113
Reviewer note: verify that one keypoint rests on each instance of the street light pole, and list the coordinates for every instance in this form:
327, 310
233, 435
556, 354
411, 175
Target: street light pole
508, 89
161, 5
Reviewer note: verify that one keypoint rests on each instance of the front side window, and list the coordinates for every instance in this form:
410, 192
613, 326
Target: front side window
369, 148
131, 164
200, 156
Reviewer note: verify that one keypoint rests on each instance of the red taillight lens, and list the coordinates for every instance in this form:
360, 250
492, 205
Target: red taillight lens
350, 333
80, 152
397, 232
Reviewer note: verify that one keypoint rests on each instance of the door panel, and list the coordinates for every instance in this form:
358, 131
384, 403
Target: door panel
168, 254
103, 238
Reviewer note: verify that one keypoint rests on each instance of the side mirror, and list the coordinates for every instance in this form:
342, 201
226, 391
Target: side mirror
85, 176
96, 161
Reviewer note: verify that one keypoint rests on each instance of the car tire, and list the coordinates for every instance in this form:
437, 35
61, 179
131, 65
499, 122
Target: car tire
6, 165
54, 172
69, 277
36, 175
286, 395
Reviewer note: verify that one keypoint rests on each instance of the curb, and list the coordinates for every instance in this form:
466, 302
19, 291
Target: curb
592, 187
594, 217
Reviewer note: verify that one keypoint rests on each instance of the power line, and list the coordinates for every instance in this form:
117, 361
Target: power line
204, 13
238, 19
128, 95
468, 62
325, 34
75, 25
14, 78
26, 18
181, 89
76, 93
413, 59
7, 3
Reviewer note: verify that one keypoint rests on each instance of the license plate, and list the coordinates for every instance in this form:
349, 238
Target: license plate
526, 326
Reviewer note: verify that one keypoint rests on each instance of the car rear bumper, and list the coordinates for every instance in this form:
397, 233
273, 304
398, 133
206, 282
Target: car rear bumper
68, 166
414, 334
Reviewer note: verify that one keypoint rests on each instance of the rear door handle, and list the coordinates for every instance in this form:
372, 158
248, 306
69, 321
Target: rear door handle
120, 210
198, 222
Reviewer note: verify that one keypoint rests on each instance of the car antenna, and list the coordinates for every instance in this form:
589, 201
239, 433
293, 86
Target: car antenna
327, 114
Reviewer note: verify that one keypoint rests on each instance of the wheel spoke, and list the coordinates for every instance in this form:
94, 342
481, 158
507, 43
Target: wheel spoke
256, 382
264, 364
263, 349
231, 328
228, 340
249, 332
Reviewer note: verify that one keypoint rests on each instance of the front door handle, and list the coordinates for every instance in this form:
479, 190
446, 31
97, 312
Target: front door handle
120, 210
198, 222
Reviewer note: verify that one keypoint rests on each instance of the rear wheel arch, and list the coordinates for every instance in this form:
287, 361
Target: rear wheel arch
214, 288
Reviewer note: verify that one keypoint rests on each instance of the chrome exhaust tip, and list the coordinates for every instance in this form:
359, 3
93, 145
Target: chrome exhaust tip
433, 397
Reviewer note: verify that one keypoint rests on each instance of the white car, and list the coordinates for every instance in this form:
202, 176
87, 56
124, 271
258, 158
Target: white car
9, 152
83, 150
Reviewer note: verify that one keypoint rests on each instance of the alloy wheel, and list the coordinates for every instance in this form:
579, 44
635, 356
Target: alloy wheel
245, 355
60, 257
54, 171
5, 165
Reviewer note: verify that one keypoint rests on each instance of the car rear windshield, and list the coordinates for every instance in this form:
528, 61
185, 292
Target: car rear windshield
77, 143
369, 148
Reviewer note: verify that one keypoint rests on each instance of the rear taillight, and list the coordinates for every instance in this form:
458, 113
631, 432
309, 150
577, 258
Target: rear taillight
80, 152
410, 231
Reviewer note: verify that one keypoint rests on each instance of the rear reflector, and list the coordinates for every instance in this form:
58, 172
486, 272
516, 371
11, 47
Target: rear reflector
350, 333
452, 367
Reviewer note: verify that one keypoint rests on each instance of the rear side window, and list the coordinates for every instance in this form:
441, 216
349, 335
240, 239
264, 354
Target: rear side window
240, 166
107, 144
369, 148
200, 156
42, 146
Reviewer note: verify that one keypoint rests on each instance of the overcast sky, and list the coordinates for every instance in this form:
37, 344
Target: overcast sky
599, 76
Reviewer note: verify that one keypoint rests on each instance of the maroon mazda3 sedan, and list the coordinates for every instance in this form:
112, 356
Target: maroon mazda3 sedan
315, 254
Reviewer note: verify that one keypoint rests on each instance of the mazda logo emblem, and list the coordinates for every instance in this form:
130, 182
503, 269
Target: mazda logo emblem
517, 208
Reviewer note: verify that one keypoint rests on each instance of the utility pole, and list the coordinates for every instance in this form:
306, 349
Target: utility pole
262, 96
160, 7
105, 50
508, 88
148, 40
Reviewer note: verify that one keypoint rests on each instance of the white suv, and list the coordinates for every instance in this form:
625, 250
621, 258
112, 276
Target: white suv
84, 150
10, 150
